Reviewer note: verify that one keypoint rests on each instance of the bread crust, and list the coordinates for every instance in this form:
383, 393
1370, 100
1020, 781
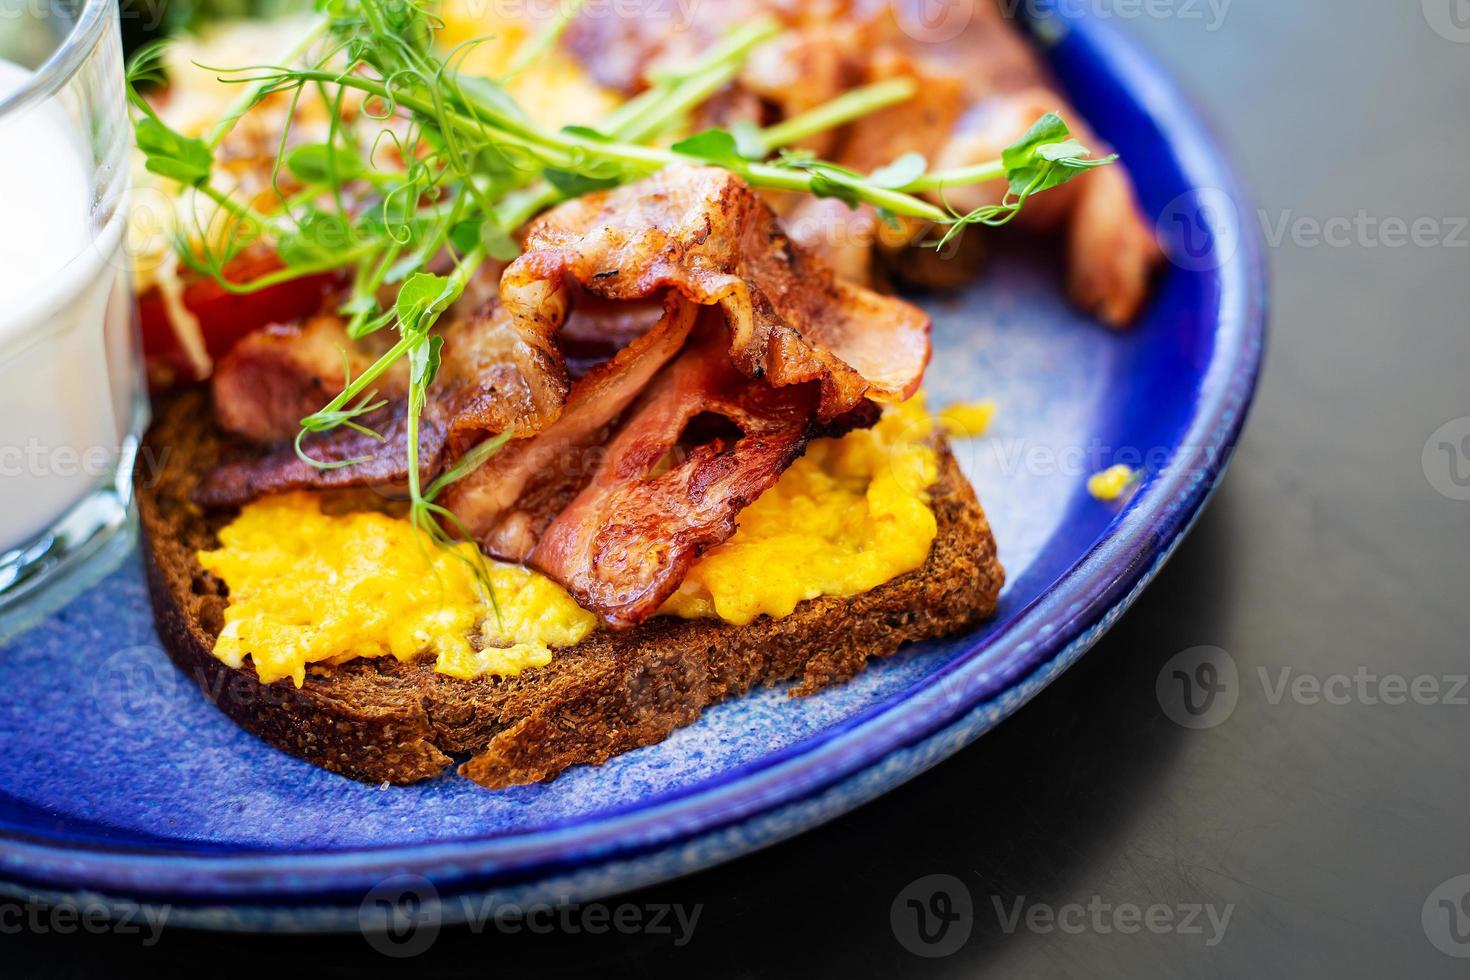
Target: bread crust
382, 720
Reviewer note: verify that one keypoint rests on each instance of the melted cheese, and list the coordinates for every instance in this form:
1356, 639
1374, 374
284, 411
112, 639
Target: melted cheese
851, 514
308, 587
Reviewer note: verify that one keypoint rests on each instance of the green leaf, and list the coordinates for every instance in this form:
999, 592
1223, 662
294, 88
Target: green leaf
572, 184
901, 172
828, 179
715, 146
465, 235
172, 155
1047, 156
499, 243
748, 140
319, 237
490, 162
487, 94
1048, 129
423, 362
586, 133
421, 298
319, 163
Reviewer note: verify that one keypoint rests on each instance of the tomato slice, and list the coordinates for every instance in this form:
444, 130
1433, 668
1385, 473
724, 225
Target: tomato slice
225, 317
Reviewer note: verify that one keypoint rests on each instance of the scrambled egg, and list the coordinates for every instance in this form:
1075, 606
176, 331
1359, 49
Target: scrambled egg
308, 587
554, 90
851, 514
1111, 483
312, 587
967, 420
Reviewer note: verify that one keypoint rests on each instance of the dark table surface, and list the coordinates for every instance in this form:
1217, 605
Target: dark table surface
1333, 568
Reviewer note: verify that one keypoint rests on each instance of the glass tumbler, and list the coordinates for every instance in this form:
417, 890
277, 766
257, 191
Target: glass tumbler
72, 400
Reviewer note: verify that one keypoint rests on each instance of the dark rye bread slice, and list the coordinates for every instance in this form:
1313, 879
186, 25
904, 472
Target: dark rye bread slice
383, 720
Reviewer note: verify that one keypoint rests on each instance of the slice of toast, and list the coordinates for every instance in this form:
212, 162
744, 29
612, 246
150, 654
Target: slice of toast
382, 720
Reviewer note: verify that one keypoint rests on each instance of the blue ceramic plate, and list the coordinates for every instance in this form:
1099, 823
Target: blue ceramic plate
120, 779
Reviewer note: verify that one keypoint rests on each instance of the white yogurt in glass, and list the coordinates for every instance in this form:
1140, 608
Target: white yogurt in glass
69, 380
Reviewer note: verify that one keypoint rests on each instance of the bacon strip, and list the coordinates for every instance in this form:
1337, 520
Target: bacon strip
702, 232
970, 54
1111, 249
262, 388
628, 539
277, 376
385, 465
508, 501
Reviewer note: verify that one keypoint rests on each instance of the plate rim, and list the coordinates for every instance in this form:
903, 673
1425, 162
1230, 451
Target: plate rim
805, 785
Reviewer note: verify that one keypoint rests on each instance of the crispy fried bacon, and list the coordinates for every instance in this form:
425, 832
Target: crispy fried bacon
1111, 249
982, 85
668, 488
485, 386
385, 465
277, 376
508, 501
626, 476
591, 268
495, 378
702, 232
